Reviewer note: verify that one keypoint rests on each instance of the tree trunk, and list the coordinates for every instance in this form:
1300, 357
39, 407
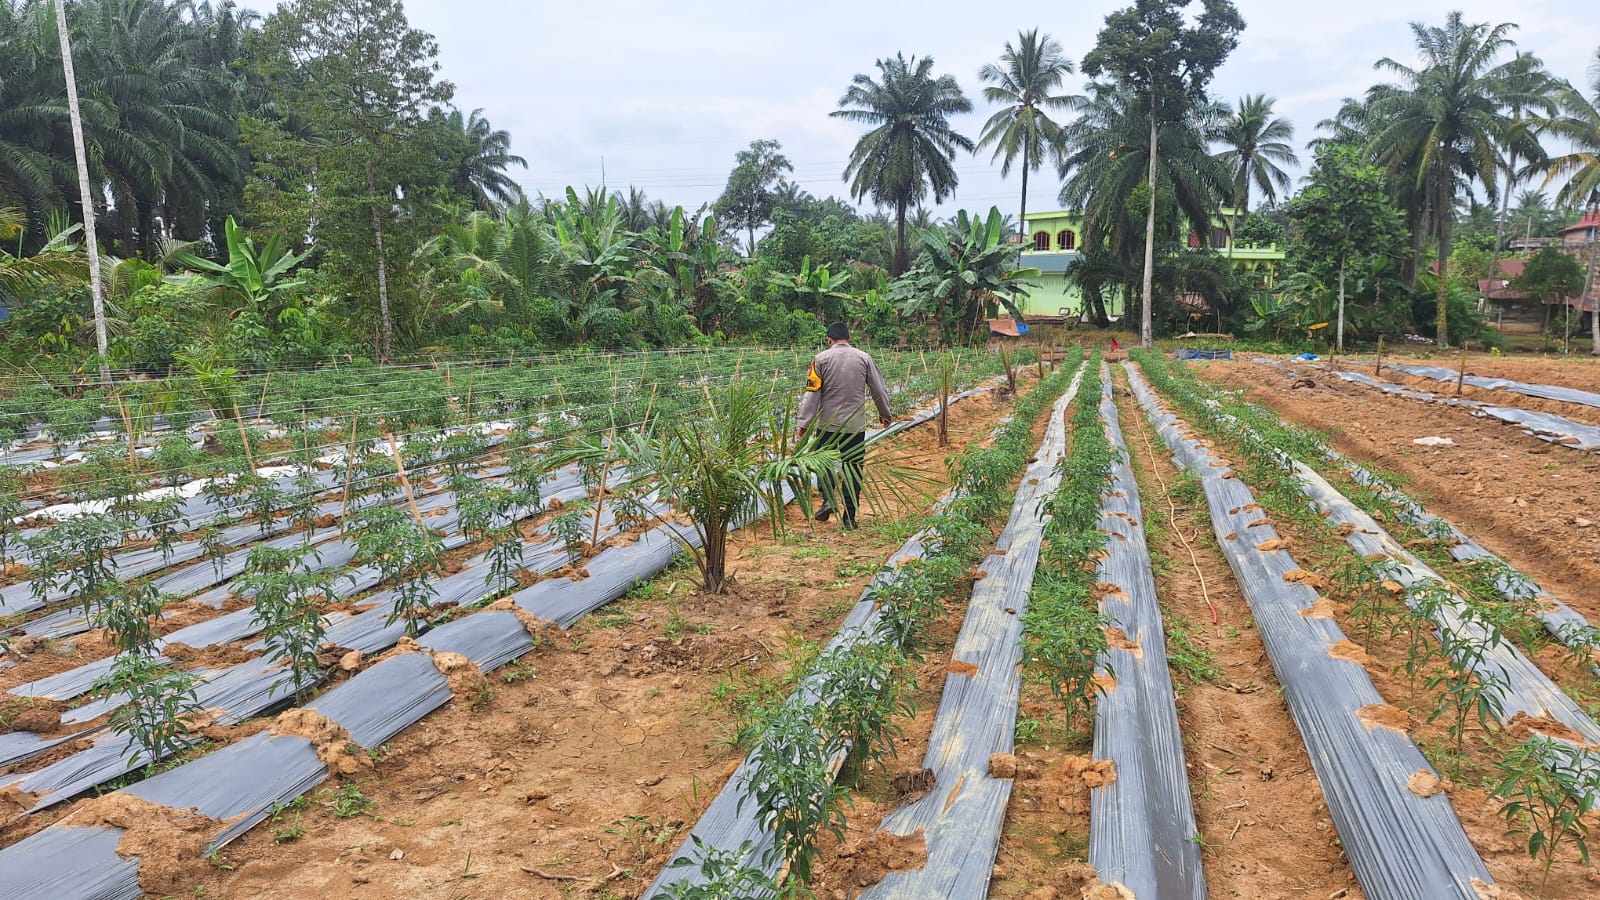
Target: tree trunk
1147, 334
1441, 324
750, 236
1500, 221
900, 265
1339, 330
1589, 289
385, 324
91, 241
1022, 208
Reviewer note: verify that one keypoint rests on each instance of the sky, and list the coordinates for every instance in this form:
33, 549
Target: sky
661, 95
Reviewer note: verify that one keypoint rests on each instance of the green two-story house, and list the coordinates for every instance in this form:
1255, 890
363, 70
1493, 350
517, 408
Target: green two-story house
1052, 244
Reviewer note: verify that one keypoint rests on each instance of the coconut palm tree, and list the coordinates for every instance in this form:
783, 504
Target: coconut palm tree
1022, 85
85, 194
911, 149
1579, 124
1441, 124
1257, 145
484, 156
1109, 160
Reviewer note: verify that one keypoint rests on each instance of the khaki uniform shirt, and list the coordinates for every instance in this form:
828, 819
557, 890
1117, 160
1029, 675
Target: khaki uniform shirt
836, 391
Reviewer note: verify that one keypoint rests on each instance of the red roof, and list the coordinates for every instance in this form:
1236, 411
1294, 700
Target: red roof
1590, 220
1509, 269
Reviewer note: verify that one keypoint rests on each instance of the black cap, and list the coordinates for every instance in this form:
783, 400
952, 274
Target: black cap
838, 332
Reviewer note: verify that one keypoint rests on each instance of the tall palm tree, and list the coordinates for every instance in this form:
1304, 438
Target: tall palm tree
911, 149
1579, 124
485, 155
1527, 88
1110, 159
85, 196
1441, 124
1022, 84
1257, 146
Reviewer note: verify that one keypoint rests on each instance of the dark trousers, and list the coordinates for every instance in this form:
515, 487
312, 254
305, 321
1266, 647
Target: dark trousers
852, 447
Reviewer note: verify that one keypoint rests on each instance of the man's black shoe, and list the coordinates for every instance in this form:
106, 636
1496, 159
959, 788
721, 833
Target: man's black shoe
824, 513
850, 525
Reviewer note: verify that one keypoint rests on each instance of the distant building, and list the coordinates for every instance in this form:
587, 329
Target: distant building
1582, 234
1514, 312
1052, 243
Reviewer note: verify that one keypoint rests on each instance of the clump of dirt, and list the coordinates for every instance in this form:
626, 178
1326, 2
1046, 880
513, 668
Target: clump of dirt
1106, 590
167, 842
15, 801
912, 786
464, 676
1382, 715
1092, 772
1322, 609
214, 656
1105, 682
962, 667
1350, 651
328, 738
1002, 765
1427, 784
1118, 639
537, 628
869, 860
1309, 579
35, 714
1522, 726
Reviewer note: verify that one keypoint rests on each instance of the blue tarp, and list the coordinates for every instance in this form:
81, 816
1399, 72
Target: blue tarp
1202, 354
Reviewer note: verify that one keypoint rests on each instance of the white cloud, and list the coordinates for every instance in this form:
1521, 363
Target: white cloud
667, 93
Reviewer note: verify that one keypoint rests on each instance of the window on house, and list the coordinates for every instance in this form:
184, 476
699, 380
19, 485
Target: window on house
1041, 240
1066, 240
1219, 238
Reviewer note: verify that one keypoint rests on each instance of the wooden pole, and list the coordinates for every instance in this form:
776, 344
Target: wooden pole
1377, 366
127, 427
262, 402
400, 467
1461, 376
349, 465
245, 437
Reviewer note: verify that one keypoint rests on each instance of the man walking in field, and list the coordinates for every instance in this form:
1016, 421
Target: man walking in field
834, 412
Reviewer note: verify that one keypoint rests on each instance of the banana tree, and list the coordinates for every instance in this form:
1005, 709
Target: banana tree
816, 287
960, 270
258, 275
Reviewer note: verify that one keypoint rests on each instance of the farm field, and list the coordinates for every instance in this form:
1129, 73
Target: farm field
1131, 605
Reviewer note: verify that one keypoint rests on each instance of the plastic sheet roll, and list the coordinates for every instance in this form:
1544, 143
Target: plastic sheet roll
491, 638
1141, 825
379, 702
962, 816
1526, 690
240, 784
69, 862
1544, 426
1542, 391
1401, 846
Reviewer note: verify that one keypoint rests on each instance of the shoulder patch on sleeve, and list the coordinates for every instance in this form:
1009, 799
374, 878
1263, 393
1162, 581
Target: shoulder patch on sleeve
813, 380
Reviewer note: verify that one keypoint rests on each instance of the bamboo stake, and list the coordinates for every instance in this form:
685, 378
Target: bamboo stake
245, 437
1461, 376
400, 467
1377, 366
127, 428
349, 465
262, 402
